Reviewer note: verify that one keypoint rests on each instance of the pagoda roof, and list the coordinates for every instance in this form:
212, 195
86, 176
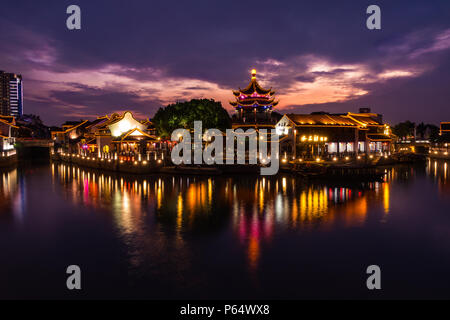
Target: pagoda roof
253, 87
254, 102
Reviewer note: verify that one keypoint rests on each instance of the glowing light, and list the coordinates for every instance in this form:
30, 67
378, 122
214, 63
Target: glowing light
124, 125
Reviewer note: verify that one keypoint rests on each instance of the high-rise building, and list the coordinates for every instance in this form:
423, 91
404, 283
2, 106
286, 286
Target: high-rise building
11, 94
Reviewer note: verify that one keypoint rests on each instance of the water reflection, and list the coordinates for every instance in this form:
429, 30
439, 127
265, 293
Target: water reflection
177, 234
255, 206
12, 195
438, 170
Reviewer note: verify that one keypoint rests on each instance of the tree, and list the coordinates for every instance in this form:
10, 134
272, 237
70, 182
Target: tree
421, 130
404, 129
183, 114
31, 126
434, 131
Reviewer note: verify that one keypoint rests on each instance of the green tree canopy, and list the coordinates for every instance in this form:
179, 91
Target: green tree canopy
183, 115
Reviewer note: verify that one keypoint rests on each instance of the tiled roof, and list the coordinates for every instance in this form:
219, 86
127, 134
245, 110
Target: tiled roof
321, 119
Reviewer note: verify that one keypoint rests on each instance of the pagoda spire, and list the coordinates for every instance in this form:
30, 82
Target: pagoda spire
254, 74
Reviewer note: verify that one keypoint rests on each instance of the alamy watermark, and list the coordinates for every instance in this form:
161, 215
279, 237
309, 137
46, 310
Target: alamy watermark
73, 21
209, 147
373, 22
374, 280
73, 281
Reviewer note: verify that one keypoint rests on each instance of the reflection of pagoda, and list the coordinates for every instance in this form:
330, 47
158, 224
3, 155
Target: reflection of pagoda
254, 103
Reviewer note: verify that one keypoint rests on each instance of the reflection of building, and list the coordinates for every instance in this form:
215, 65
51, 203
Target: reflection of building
254, 103
438, 169
11, 96
115, 134
323, 134
9, 189
255, 207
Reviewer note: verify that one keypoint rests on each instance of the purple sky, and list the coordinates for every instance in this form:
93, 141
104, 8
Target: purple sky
318, 55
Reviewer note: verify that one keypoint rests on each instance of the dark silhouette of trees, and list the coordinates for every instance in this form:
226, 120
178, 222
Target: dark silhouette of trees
404, 130
183, 114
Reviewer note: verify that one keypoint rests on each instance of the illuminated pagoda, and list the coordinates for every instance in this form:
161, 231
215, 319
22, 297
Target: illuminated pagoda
254, 103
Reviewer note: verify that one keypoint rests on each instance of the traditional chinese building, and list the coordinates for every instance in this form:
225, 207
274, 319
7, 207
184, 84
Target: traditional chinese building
440, 147
125, 135
108, 136
324, 135
253, 104
444, 128
8, 131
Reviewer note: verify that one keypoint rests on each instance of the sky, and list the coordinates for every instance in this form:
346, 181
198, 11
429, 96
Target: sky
142, 55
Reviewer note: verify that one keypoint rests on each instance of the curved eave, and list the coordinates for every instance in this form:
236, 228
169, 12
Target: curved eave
252, 87
251, 102
255, 106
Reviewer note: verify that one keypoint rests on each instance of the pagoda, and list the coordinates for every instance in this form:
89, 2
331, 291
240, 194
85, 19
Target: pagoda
254, 103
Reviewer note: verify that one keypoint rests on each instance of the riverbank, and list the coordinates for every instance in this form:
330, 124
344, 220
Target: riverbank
152, 166
8, 159
116, 165
371, 168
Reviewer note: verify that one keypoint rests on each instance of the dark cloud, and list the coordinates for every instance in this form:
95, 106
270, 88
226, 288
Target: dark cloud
305, 78
219, 42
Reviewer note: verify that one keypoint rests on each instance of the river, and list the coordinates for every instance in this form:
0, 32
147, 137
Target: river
223, 237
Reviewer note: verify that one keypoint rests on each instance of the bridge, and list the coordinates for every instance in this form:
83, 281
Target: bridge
32, 149
37, 143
